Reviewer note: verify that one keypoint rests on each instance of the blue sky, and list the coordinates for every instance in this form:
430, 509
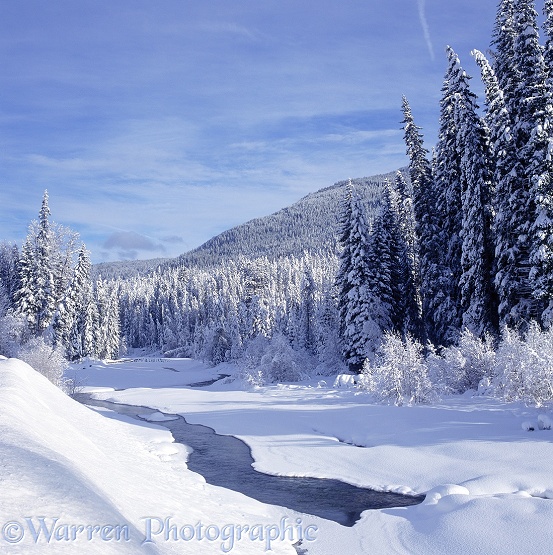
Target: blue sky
156, 125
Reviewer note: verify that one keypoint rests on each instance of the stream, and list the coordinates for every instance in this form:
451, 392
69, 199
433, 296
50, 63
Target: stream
226, 461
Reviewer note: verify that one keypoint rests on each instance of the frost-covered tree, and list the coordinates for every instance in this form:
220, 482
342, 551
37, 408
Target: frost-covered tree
36, 296
398, 375
411, 302
71, 319
506, 171
540, 172
356, 305
503, 44
523, 367
426, 220
109, 336
445, 305
477, 294
391, 271
548, 48
531, 131
9, 278
307, 312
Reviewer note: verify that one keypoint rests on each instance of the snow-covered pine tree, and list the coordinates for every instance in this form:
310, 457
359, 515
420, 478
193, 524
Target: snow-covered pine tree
9, 279
109, 336
478, 298
548, 34
357, 327
390, 269
503, 44
70, 320
541, 174
531, 197
36, 297
423, 186
307, 312
446, 304
506, 169
411, 310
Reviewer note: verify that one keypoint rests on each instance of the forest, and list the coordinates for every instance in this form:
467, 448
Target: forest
433, 280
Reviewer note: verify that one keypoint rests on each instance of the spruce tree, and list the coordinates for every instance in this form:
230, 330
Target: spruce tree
36, 297
503, 43
354, 302
478, 300
426, 219
411, 309
506, 169
541, 175
531, 197
70, 321
446, 304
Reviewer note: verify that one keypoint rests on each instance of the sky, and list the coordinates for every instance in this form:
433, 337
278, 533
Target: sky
157, 125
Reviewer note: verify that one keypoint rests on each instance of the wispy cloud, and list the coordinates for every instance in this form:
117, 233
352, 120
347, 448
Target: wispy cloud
425, 27
183, 119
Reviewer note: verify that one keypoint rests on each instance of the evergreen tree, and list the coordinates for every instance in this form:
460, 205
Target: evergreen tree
307, 313
478, 299
541, 175
426, 220
9, 279
446, 304
506, 172
389, 267
36, 297
548, 49
411, 303
503, 43
531, 197
354, 302
70, 322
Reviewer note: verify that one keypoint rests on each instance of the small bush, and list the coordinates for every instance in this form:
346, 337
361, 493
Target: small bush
462, 367
45, 359
524, 366
398, 374
274, 361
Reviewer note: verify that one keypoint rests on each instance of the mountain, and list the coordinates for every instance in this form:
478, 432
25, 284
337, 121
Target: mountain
311, 224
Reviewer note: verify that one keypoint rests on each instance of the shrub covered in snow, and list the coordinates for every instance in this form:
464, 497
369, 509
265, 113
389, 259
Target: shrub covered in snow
273, 360
15, 342
398, 374
462, 367
524, 366
47, 360
13, 333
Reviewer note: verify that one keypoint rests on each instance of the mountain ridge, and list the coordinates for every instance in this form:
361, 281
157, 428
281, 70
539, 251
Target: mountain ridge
310, 224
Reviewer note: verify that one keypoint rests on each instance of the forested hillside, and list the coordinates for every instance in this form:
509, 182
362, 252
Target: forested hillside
310, 224
419, 279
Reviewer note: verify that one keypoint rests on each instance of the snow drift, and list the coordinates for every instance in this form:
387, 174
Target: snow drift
100, 478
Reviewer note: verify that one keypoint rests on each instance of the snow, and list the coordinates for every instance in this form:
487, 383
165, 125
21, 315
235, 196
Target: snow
489, 483
62, 460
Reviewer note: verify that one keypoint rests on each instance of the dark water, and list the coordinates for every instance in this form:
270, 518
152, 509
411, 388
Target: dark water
226, 461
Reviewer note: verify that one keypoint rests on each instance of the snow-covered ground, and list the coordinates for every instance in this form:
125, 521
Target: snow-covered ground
489, 481
74, 481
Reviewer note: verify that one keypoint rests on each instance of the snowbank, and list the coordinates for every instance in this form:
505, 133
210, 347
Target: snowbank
111, 485
489, 482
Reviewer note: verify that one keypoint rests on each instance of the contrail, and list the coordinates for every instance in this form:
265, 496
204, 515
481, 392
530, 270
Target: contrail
425, 29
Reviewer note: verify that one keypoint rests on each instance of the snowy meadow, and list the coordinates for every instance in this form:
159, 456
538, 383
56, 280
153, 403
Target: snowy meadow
487, 480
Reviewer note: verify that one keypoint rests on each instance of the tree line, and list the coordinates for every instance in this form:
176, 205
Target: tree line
468, 243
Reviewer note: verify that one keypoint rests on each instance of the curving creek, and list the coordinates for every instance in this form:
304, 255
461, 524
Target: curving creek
227, 461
